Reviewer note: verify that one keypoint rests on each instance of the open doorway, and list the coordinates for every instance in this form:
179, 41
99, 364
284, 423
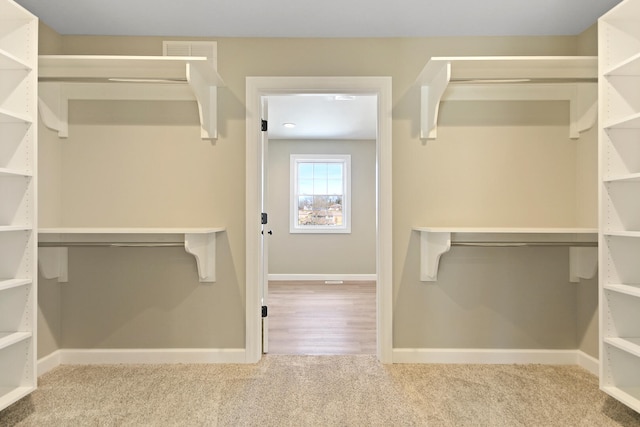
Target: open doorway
257, 89
320, 161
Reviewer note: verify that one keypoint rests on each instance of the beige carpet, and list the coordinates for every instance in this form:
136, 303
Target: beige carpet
318, 391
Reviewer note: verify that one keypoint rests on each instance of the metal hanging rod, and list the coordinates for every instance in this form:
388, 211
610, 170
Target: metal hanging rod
522, 244
111, 244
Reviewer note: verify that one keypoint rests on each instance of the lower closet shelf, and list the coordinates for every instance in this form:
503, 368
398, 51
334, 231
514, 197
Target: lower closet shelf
435, 241
54, 244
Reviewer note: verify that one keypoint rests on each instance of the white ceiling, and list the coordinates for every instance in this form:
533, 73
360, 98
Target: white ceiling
319, 117
328, 18
322, 117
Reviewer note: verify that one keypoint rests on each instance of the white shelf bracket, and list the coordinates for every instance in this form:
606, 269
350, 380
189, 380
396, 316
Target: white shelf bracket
582, 99
583, 263
54, 263
203, 248
583, 108
432, 246
207, 99
430, 97
53, 106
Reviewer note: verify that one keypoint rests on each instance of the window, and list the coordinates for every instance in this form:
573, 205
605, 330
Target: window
320, 193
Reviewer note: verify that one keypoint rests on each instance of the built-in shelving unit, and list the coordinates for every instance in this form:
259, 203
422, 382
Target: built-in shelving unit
54, 242
516, 78
18, 202
435, 241
93, 77
619, 139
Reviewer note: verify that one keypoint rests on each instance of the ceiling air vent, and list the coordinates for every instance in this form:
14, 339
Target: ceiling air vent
191, 48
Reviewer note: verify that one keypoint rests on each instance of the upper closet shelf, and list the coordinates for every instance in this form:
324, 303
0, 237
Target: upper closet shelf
510, 78
87, 77
435, 241
53, 242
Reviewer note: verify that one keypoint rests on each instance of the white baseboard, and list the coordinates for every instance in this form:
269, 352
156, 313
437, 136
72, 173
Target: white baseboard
49, 362
400, 355
589, 363
489, 356
139, 356
316, 277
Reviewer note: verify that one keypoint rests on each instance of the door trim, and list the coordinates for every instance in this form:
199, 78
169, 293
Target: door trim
257, 87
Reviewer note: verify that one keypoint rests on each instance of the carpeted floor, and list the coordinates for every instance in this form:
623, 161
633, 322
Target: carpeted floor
318, 391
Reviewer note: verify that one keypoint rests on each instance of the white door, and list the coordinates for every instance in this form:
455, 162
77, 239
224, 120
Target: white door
266, 227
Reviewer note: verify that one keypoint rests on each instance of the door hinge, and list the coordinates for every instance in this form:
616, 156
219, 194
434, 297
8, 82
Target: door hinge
264, 126
264, 218
264, 311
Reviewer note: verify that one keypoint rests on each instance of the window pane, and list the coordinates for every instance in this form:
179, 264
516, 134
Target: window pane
305, 203
319, 171
334, 171
305, 186
305, 208
320, 186
305, 170
334, 186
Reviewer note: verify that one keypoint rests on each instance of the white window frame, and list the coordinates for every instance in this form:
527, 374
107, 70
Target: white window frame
345, 160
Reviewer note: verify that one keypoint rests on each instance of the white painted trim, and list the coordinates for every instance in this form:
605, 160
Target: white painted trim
400, 355
588, 362
485, 356
316, 277
49, 362
140, 356
256, 87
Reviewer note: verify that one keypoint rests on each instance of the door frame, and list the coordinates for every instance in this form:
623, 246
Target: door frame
256, 88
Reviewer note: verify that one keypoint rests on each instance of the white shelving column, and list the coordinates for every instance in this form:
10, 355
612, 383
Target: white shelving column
619, 139
18, 236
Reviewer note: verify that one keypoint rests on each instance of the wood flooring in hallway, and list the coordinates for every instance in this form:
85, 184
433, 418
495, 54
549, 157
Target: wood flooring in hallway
319, 318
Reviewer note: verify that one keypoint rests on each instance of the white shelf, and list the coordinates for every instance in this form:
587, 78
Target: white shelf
628, 67
5, 228
11, 117
632, 177
619, 116
18, 252
632, 234
200, 242
629, 122
10, 62
435, 241
13, 283
633, 291
629, 345
11, 11
630, 396
89, 77
9, 395
8, 339
13, 172
499, 78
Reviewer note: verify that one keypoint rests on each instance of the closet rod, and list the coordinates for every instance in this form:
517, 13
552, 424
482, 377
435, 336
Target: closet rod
111, 244
520, 244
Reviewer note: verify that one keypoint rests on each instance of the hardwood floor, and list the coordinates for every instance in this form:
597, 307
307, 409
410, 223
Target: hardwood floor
320, 318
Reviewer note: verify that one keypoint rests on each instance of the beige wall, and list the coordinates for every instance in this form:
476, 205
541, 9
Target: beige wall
130, 166
49, 164
294, 253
